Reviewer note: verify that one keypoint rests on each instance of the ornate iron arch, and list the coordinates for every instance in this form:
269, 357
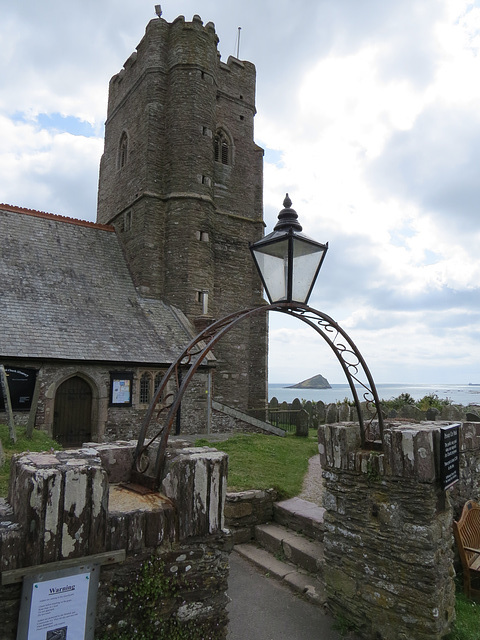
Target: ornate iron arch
349, 357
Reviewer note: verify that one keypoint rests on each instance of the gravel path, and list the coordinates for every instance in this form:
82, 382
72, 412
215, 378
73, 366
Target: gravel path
313, 482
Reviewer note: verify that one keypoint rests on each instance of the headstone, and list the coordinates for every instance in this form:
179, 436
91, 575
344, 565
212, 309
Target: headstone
320, 410
344, 412
472, 417
302, 424
432, 413
331, 414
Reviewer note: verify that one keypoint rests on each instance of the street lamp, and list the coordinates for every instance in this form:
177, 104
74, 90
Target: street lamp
287, 260
288, 263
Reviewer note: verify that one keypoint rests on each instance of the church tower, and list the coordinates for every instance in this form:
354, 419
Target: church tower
181, 180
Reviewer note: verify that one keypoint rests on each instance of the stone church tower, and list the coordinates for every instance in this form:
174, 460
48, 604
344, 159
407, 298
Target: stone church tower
181, 179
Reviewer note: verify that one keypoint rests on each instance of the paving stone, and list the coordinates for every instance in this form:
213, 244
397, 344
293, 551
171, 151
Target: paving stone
301, 515
307, 554
307, 586
263, 559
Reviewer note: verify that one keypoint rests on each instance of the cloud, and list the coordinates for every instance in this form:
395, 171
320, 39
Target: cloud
49, 169
369, 115
435, 164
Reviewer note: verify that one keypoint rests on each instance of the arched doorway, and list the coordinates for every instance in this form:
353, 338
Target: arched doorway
72, 424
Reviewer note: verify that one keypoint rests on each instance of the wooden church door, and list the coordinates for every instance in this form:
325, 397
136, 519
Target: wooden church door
72, 423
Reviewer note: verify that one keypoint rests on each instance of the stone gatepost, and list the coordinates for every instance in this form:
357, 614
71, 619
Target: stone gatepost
161, 557
388, 533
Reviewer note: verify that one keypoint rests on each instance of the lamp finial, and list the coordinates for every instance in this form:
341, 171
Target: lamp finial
288, 217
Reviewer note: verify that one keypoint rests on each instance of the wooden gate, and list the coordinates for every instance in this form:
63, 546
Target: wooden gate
72, 423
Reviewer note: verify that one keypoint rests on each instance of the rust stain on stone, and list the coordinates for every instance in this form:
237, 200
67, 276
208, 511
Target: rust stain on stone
123, 499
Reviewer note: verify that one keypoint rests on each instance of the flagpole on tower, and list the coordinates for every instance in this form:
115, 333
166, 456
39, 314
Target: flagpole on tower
238, 42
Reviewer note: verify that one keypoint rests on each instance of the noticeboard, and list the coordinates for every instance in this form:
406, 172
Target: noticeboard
59, 605
449, 455
21, 385
121, 383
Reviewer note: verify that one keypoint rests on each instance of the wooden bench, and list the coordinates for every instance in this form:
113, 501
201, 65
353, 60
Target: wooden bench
467, 537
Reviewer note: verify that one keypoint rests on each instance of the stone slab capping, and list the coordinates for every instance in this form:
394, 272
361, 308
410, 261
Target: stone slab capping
388, 532
64, 505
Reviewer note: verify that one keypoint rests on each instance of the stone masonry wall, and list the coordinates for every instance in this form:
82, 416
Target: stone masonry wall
68, 504
388, 533
110, 423
244, 510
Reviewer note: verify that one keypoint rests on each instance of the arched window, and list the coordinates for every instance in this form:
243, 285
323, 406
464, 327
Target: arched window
222, 147
123, 150
157, 382
145, 388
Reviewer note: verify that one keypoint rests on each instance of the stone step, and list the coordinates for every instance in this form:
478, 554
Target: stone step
300, 515
299, 580
294, 547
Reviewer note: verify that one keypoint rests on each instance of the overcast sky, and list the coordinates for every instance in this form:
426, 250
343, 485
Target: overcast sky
369, 114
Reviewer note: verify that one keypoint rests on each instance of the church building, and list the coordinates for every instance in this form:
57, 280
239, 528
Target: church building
94, 313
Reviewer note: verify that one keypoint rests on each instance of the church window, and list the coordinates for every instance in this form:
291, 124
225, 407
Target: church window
222, 148
157, 382
123, 151
145, 388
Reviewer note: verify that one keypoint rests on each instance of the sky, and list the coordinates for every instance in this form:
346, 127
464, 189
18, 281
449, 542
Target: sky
369, 114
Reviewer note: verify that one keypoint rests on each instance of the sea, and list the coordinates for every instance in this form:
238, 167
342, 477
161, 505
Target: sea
463, 394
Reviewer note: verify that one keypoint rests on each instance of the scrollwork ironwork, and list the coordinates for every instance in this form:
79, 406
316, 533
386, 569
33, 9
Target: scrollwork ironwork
196, 351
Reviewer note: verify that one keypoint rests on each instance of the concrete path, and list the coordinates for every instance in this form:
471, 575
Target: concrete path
264, 609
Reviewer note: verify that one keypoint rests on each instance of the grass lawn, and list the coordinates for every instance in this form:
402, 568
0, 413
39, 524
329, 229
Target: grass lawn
40, 441
467, 624
259, 461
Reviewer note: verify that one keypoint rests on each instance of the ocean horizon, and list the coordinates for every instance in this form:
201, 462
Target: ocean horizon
463, 394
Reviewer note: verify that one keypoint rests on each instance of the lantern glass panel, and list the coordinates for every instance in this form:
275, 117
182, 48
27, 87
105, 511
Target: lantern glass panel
272, 262
307, 258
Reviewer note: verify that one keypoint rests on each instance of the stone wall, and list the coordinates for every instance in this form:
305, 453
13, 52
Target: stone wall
388, 533
66, 505
245, 509
110, 423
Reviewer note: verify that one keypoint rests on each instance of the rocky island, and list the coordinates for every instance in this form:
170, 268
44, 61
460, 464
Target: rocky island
316, 382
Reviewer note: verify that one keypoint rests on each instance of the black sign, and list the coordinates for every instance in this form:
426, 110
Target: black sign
449, 455
21, 384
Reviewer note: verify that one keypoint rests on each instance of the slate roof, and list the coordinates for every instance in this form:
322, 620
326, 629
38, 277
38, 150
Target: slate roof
66, 293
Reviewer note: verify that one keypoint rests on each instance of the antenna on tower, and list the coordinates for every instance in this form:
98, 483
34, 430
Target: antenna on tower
158, 10
238, 42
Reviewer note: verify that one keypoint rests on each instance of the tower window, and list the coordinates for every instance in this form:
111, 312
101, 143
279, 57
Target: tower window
202, 236
202, 297
127, 220
222, 148
123, 151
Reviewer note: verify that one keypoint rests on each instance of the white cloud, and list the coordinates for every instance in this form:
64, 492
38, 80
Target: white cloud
371, 110
49, 169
